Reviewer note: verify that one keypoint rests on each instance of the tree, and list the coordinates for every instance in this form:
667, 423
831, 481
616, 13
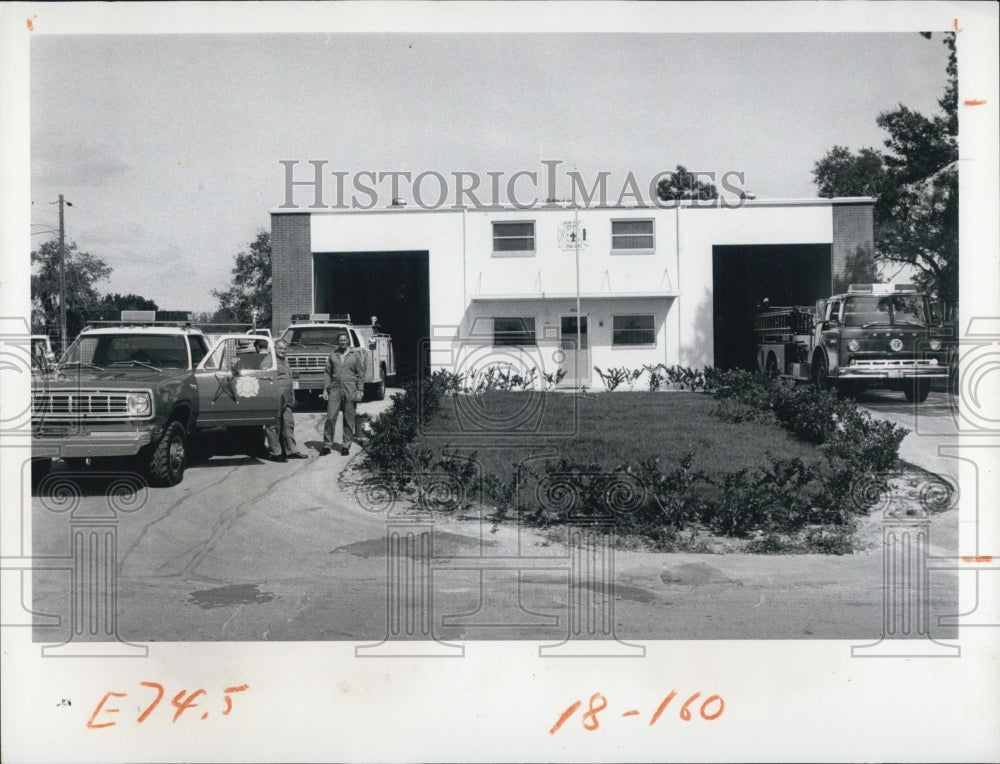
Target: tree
248, 298
120, 302
915, 183
82, 271
683, 184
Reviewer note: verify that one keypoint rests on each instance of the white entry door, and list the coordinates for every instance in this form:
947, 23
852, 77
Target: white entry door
577, 363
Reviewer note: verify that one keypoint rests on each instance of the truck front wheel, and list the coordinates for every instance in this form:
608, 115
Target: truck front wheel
916, 390
166, 465
820, 374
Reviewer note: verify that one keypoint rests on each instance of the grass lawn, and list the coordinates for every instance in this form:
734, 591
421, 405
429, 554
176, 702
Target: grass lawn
610, 428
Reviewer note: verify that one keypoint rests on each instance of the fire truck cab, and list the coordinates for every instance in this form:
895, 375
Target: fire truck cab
872, 335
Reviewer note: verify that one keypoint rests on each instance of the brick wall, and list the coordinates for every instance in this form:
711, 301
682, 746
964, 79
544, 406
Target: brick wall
291, 268
853, 245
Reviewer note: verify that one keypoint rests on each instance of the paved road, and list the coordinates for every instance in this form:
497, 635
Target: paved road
245, 549
932, 424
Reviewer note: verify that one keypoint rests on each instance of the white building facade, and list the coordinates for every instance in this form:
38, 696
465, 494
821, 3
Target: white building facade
672, 286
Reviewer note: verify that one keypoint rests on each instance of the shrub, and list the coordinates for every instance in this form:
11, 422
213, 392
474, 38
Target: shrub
391, 434
617, 376
655, 377
772, 497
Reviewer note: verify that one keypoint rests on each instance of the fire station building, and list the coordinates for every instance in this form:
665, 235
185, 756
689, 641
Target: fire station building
674, 286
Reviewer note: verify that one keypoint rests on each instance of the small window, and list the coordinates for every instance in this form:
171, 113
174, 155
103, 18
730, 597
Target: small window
514, 331
632, 235
633, 330
514, 237
198, 348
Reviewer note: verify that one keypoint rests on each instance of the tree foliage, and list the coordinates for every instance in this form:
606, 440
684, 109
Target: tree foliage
683, 184
120, 302
248, 298
82, 271
915, 182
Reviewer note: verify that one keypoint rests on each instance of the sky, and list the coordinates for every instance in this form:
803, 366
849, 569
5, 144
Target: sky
168, 146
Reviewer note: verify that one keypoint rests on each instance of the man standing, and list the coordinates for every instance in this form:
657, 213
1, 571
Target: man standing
345, 386
286, 420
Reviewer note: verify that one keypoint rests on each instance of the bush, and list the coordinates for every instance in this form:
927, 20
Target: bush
618, 376
771, 498
392, 433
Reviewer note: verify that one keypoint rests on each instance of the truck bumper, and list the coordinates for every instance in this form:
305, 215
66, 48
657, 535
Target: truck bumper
880, 373
314, 382
78, 441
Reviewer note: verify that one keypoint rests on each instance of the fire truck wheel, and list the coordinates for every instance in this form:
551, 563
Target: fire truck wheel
917, 390
820, 375
166, 465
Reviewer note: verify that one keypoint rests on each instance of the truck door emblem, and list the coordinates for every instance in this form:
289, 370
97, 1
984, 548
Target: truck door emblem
247, 387
225, 386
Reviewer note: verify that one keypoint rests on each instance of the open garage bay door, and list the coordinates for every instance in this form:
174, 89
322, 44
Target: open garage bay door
395, 286
743, 275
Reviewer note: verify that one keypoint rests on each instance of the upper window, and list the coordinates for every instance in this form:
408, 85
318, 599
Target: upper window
514, 237
633, 330
632, 235
518, 330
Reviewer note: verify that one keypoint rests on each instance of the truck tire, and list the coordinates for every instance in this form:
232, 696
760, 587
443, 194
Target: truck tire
820, 374
166, 465
916, 390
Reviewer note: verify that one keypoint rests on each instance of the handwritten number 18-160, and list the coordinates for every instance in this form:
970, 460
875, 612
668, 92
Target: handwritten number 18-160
709, 709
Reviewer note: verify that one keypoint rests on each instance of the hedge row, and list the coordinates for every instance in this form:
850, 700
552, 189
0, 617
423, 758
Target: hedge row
779, 496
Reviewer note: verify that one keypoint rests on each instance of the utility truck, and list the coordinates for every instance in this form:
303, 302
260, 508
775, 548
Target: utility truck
312, 337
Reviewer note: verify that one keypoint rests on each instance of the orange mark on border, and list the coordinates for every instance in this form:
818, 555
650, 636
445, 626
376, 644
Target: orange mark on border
633, 712
957, 30
980, 558
31, 27
975, 102
565, 715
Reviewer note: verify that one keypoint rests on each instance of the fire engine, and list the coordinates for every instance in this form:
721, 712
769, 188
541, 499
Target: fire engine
313, 336
872, 335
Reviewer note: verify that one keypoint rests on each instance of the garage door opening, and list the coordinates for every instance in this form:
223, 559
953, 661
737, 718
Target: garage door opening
742, 276
395, 286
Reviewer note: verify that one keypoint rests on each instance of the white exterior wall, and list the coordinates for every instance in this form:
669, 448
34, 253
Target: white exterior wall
701, 228
673, 282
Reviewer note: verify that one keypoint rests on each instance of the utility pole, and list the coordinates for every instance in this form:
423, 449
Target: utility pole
62, 278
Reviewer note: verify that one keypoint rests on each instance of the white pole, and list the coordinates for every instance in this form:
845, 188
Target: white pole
576, 252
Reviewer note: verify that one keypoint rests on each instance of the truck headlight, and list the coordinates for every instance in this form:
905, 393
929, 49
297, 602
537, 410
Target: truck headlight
933, 362
854, 346
935, 344
138, 404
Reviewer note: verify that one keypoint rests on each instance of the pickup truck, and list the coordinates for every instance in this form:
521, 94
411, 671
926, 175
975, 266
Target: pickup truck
141, 388
312, 337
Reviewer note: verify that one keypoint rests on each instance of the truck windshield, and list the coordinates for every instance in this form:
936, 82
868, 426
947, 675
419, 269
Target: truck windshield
889, 310
163, 351
313, 335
